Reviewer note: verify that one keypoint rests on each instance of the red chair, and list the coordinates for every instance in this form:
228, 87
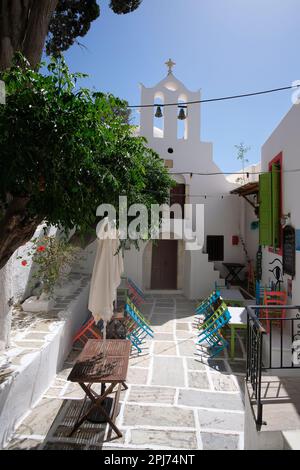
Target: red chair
87, 331
274, 298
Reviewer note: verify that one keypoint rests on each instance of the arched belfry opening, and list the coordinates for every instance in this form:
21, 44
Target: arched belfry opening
182, 118
158, 115
172, 123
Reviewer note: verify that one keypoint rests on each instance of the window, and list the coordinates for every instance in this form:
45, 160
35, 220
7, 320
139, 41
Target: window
270, 204
215, 247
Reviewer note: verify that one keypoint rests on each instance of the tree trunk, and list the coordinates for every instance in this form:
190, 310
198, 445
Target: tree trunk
16, 228
5, 309
24, 27
83, 240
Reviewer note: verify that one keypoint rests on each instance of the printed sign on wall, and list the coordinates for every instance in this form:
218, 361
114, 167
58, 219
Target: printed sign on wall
297, 239
289, 250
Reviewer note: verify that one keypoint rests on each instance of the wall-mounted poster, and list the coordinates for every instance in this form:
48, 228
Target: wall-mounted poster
289, 250
297, 239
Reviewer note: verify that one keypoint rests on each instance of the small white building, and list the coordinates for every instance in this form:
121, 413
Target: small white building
168, 264
282, 149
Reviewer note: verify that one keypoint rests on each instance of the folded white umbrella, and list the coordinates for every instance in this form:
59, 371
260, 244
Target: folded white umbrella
106, 276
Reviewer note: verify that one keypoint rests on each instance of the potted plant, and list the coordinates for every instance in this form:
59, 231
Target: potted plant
51, 258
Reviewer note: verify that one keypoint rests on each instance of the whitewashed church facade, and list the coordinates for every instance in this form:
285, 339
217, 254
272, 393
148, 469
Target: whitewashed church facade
167, 264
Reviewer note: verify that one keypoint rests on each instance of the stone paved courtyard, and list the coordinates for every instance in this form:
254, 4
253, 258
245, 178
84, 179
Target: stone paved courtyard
176, 399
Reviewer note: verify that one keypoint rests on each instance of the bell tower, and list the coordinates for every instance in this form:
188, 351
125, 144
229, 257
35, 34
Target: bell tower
176, 121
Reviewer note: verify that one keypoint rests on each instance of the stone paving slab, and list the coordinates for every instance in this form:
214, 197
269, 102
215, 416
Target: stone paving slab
182, 326
137, 376
163, 328
168, 371
217, 365
159, 319
170, 439
217, 419
198, 380
222, 401
185, 318
214, 441
223, 383
152, 395
186, 347
158, 416
194, 364
184, 335
164, 337
166, 348
142, 360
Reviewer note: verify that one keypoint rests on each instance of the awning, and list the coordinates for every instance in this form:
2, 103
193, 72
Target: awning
249, 189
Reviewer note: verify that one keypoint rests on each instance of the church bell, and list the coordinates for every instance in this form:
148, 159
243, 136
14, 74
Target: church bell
158, 113
182, 115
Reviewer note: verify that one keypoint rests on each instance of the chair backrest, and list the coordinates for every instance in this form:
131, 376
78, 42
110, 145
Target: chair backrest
260, 292
136, 287
275, 298
213, 297
219, 318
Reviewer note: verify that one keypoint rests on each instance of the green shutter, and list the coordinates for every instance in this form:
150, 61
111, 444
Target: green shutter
275, 206
265, 209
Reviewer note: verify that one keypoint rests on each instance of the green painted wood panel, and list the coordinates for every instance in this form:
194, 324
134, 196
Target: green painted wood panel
265, 209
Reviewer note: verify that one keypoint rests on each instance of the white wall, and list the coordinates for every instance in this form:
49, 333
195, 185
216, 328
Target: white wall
15, 285
286, 139
33, 376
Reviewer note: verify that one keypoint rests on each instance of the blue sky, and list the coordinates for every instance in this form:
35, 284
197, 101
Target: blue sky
223, 47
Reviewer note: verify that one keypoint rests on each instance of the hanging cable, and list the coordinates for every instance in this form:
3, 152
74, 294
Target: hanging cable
240, 173
211, 100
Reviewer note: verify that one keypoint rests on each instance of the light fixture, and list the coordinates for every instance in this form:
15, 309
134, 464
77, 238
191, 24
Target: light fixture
158, 113
182, 115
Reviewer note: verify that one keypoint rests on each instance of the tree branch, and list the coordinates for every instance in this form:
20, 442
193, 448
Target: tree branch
16, 228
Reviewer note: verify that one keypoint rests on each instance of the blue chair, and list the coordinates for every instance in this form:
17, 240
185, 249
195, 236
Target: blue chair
207, 303
137, 326
211, 330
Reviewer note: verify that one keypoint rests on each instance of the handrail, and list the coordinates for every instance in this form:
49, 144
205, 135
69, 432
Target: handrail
255, 319
274, 307
255, 341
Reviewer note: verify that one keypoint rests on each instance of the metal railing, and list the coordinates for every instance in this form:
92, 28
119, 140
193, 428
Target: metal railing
277, 348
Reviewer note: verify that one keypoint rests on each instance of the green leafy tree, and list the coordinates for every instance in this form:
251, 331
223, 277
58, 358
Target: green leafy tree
25, 25
64, 151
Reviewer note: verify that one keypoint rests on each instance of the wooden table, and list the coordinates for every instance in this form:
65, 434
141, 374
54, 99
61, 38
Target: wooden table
233, 271
104, 362
237, 321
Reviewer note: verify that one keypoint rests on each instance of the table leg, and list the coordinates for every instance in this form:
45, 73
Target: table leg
96, 403
115, 410
232, 341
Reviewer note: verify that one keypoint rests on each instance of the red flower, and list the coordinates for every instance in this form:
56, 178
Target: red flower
24, 262
41, 248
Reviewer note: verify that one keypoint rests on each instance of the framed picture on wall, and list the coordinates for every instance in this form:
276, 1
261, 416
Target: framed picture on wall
289, 250
290, 288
